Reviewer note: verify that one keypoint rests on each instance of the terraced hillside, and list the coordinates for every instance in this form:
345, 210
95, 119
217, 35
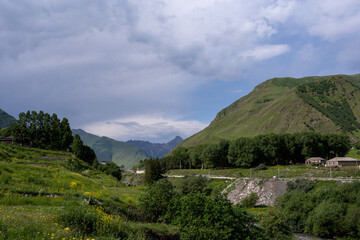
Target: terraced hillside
40, 198
329, 104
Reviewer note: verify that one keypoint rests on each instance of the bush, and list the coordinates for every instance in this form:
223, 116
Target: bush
261, 166
112, 169
324, 220
302, 185
193, 184
157, 199
91, 220
250, 201
202, 217
76, 165
276, 225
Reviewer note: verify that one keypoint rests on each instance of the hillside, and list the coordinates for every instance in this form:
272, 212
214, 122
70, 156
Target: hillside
6, 119
108, 149
327, 104
156, 150
40, 198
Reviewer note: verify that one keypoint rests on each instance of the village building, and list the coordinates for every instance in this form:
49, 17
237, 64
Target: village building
315, 161
342, 161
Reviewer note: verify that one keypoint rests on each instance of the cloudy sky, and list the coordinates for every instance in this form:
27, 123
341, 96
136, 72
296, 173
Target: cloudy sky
151, 70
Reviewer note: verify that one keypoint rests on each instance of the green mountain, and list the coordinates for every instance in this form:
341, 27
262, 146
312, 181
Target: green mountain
108, 149
328, 104
6, 119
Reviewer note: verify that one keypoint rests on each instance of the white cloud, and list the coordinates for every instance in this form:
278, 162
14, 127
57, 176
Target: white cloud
145, 127
265, 52
330, 19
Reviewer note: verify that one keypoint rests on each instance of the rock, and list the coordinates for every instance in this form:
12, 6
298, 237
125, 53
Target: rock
267, 189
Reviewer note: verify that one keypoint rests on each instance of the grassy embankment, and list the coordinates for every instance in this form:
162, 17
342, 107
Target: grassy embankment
41, 199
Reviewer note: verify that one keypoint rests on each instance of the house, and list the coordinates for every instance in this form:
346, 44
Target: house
315, 161
342, 161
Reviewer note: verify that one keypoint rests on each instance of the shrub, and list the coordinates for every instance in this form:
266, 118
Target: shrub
302, 185
91, 220
250, 201
193, 184
76, 165
202, 217
112, 169
157, 199
276, 225
261, 166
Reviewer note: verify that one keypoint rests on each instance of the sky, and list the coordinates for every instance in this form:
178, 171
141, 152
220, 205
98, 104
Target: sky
152, 70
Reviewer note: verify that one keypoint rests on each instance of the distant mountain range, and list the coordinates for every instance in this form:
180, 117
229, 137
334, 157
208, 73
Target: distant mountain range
107, 149
124, 153
156, 150
328, 104
5, 119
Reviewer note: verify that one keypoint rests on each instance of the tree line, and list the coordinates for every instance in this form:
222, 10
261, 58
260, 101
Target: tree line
269, 149
42, 130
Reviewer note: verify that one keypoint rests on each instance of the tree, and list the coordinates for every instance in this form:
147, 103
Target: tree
276, 225
77, 145
112, 169
201, 217
157, 199
192, 184
66, 134
324, 220
153, 171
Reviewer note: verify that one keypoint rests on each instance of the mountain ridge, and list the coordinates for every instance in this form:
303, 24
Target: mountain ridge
156, 150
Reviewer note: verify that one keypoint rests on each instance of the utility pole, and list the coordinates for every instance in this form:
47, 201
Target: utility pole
330, 172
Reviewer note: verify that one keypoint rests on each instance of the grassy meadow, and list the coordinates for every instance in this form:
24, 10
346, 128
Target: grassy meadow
41, 199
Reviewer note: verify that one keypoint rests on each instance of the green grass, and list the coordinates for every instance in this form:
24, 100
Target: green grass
34, 194
275, 107
290, 171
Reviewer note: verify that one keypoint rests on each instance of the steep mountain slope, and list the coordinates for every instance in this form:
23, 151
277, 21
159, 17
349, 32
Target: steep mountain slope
108, 149
323, 104
6, 119
156, 150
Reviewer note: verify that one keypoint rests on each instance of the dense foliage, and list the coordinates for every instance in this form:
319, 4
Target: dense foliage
269, 149
112, 169
203, 217
42, 131
199, 216
275, 225
326, 212
84, 152
153, 171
